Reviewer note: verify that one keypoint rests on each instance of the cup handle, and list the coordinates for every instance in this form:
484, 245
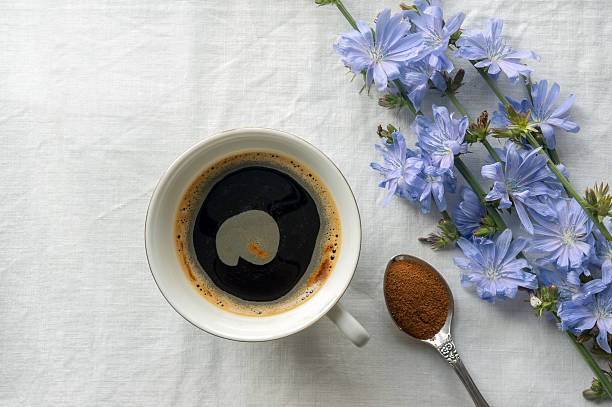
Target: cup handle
348, 325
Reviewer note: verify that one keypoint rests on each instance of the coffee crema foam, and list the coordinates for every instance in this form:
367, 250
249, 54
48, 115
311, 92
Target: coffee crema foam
324, 256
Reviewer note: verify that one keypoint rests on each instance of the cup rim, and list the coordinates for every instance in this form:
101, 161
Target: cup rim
333, 301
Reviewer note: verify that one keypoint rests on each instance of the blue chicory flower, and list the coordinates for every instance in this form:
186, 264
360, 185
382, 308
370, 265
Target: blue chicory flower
545, 118
469, 212
441, 138
565, 237
493, 266
584, 313
380, 54
402, 165
603, 255
436, 34
524, 149
416, 76
433, 181
523, 178
541, 113
491, 52
568, 284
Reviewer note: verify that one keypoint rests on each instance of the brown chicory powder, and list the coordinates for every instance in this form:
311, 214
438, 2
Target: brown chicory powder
416, 297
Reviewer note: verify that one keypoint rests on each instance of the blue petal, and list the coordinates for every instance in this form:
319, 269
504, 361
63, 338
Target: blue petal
589, 289
462, 263
606, 272
549, 277
438, 81
524, 55
469, 250
469, 52
549, 135
492, 171
392, 188
602, 336
517, 246
524, 217
564, 107
381, 24
370, 75
380, 77
564, 124
493, 27
503, 243
454, 23
538, 93
364, 28
551, 97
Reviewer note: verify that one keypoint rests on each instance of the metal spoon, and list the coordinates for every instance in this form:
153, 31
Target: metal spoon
443, 341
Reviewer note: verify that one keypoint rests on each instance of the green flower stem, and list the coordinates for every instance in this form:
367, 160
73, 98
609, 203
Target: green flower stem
467, 174
554, 156
491, 84
492, 151
527, 83
451, 96
588, 358
461, 108
402, 92
570, 189
345, 13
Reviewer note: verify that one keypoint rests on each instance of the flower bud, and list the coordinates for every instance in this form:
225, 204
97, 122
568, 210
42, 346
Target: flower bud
387, 134
596, 392
458, 80
483, 232
479, 130
599, 200
535, 301
392, 101
454, 37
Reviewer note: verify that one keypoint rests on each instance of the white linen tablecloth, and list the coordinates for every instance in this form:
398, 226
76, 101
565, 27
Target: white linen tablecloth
98, 97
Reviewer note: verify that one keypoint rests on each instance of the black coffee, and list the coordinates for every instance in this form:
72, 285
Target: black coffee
257, 233
288, 204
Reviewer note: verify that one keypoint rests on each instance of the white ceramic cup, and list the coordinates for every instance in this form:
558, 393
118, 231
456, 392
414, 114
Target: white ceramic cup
164, 264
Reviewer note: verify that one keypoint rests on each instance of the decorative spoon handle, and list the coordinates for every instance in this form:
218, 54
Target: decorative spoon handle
449, 352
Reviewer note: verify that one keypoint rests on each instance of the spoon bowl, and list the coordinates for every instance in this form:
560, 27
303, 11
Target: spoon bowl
445, 332
442, 341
